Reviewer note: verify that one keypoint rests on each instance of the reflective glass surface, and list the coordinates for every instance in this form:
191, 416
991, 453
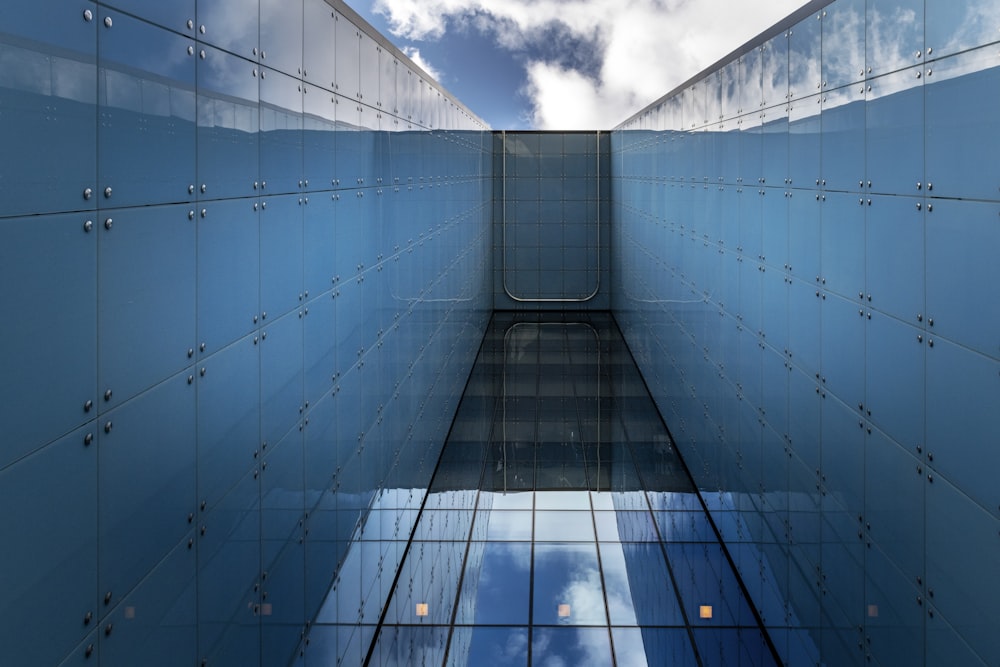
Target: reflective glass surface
816, 330
589, 543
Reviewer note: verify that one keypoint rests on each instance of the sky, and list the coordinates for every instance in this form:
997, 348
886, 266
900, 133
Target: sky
567, 64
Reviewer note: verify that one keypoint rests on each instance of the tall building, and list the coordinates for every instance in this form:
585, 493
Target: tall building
306, 365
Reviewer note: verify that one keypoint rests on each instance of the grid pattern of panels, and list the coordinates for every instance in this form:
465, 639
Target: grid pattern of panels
246, 251
551, 220
805, 268
561, 523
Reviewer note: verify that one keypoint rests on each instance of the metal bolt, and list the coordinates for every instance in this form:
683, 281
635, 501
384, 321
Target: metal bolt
88, 193
88, 15
190, 50
108, 22
191, 189
202, 347
88, 225
107, 193
201, 29
88, 406
107, 395
108, 223
107, 598
107, 427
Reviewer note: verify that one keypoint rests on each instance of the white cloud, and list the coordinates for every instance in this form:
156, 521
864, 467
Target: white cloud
647, 47
413, 54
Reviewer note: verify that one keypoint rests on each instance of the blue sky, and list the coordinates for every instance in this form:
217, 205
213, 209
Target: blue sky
567, 64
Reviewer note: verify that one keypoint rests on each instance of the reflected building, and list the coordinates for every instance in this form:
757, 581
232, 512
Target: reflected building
306, 365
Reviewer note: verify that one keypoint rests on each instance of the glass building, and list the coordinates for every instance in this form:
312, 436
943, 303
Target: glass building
305, 365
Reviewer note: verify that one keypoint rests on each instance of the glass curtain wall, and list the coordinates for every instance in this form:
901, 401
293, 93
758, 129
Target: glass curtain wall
246, 256
804, 266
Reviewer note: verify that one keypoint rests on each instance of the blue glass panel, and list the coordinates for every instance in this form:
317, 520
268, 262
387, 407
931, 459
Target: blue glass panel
283, 601
146, 292
894, 503
895, 379
228, 125
319, 349
388, 66
751, 89
751, 146
843, 457
482, 645
495, 585
348, 73
61, 332
895, 133
51, 550
229, 576
775, 226
960, 131
157, 624
962, 581
895, 35
961, 274
280, 377
804, 212
751, 225
775, 70
147, 107
961, 382
732, 646
894, 622
804, 136
708, 586
944, 644
319, 139
147, 477
653, 646
774, 144
843, 137
228, 270
280, 133
281, 248
228, 418
50, 120
843, 346
319, 44
281, 34
628, 569
319, 227
843, 43
557, 567
233, 25
895, 257
369, 61
577, 645
804, 68
843, 245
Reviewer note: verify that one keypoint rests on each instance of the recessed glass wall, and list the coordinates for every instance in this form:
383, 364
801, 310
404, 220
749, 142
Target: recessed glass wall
246, 250
803, 264
551, 214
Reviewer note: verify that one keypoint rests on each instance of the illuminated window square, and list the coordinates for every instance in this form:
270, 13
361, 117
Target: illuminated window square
705, 611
